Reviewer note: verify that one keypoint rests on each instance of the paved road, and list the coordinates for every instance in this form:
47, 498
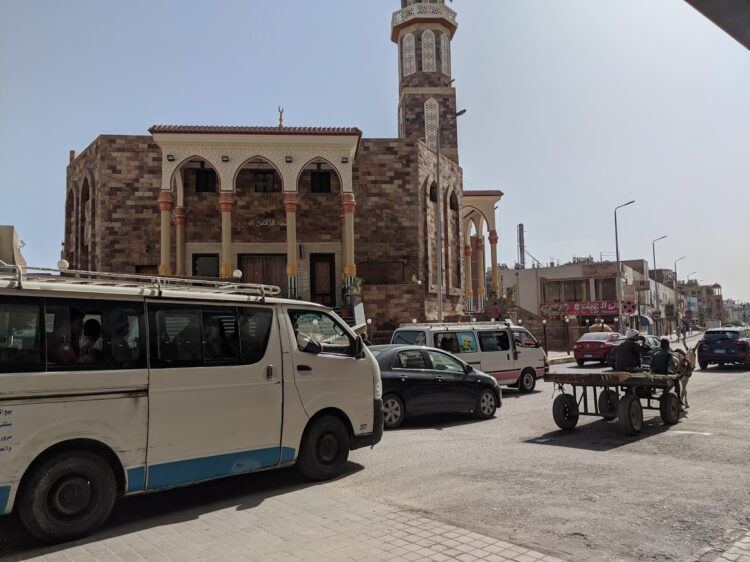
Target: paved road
669, 494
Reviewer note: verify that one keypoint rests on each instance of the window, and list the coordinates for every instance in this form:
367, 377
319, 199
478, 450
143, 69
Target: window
321, 182
524, 338
410, 337
412, 359
20, 336
176, 336
205, 265
442, 362
494, 341
255, 331
383, 273
456, 342
320, 327
605, 289
94, 335
263, 181
221, 339
205, 180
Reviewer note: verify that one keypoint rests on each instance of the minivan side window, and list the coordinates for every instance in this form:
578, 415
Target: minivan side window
255, 331
494, 341
221, 339
176, 336
322, 328
20, 335
456, 342
94, 335
524, 338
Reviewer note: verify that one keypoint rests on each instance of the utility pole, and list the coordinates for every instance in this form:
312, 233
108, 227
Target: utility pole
619, 267
656, 283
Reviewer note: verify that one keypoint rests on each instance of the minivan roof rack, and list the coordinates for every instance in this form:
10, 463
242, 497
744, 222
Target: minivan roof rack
447, 325
18, 275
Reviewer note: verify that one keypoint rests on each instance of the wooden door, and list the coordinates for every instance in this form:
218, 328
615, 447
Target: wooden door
323, 279
265, 269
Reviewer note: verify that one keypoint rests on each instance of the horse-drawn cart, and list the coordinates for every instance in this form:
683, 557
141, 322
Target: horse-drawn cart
614, 395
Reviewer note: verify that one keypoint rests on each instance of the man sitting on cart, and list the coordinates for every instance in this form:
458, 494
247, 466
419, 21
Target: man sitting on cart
628, 354
662, 359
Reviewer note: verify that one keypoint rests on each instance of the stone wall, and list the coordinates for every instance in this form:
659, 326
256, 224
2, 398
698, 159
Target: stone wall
319, 214
412, 109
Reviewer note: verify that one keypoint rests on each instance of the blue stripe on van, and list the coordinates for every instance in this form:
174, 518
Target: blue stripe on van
136, 479
4, 497
195, 470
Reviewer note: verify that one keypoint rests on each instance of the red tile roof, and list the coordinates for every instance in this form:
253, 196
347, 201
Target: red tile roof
483, 192
243, 130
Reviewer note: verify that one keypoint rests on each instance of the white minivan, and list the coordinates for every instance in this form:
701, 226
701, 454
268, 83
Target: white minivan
131, 385
509, 353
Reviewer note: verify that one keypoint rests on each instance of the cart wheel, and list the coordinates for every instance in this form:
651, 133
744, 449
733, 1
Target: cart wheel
669, 406
630, 414
565, 412
608, 404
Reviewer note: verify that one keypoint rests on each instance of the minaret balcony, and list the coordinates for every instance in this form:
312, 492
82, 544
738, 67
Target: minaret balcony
423, 13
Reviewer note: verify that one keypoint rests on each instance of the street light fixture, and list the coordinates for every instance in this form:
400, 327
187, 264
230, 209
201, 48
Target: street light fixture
619, 266
439, 226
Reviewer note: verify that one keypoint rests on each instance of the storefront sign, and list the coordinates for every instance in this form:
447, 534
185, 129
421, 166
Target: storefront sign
599, 270
595, 308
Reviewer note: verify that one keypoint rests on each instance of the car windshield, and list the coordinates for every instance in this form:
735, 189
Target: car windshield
595, 336
722, 335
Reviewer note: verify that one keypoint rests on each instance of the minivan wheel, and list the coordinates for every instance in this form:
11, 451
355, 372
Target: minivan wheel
325, 449
393, 411
486, 404
67, 497
527, 381
580, 362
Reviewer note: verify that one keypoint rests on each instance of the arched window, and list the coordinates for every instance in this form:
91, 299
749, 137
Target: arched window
409, 55
433, 193
431, 122
429, 60
445, 53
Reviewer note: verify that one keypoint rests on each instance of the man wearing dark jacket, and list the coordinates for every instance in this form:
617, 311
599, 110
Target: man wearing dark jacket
662, 358
628, 354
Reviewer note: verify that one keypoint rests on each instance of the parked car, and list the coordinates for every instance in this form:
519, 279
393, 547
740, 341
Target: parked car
594, 346
511, 354
420, 380
721, 346
649, 347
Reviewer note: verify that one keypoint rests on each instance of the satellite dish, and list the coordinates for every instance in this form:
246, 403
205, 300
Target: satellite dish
237, 274
63, 265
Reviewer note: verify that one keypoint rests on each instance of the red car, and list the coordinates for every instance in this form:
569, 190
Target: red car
594, 347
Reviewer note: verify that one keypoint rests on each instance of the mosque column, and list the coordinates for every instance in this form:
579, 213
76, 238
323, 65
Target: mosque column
348, 206
226, 202
493, 255
480, 273
180, 218
166, 204
469, 280
292, 268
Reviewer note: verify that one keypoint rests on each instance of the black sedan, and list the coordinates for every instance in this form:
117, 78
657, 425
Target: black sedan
421, 380
649, 347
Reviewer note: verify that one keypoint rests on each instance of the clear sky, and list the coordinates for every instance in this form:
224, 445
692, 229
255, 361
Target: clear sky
574, 106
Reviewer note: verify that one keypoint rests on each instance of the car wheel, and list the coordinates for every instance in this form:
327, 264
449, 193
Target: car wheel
527, 381
630, 414
393, 411
486, 404
607, 402
580, 362
703, 365
669, 408
565, 412
325, 449
67, 497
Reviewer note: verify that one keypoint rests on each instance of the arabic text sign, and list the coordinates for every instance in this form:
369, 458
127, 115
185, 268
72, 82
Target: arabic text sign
593, 308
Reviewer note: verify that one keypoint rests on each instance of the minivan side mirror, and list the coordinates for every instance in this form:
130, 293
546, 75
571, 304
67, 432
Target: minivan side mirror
538, 344
359, 347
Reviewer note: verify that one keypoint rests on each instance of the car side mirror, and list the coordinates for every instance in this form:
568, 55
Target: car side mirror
538, 344
359, 347
468, 369
307, 344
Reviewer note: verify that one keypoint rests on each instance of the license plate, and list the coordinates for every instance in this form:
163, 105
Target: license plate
588, 356
718, 351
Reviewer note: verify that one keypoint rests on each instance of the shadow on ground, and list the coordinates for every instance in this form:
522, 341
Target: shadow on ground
165, 508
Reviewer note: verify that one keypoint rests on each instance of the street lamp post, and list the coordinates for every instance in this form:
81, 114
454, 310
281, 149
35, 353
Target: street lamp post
676, 298
619, 267
544, 325
658, 297
439, 227
567, 334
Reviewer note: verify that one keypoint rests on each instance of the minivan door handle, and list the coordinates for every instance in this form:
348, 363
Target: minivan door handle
269, 372
305, 368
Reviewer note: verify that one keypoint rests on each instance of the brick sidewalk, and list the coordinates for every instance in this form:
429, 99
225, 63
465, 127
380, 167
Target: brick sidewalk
738, 552
314, 523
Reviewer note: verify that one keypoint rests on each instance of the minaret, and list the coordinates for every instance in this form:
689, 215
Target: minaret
423, 30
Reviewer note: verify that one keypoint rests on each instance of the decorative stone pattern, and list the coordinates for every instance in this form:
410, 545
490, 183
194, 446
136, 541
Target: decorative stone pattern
431, 122
413, 106
429, 58
445, 54
409, 59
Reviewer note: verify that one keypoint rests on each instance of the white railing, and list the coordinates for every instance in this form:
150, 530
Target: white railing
423, 11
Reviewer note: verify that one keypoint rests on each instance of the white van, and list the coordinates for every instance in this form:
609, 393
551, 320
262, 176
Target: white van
133, 385
509, 353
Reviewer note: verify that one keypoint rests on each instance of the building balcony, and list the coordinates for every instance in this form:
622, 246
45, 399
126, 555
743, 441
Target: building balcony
423, 13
